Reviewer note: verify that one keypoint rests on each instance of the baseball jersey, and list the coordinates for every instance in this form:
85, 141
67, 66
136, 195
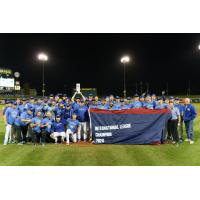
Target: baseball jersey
25, 116
36, 120
30, 106
125, 107
58, 126
181, 108
101, 106
48, 121
22, 108
136, 104
148, 105
68, 113
82, 114
11, 114
159, 106
73, 125
38, 107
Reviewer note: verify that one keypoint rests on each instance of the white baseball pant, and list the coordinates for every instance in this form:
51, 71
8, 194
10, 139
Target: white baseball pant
82, 128
7, 133
73, 136
55, 136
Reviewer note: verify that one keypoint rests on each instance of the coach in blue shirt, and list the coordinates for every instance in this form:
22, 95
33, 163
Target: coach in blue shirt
189, 115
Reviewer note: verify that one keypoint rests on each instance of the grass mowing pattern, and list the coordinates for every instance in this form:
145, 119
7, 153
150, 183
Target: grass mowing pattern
101, 155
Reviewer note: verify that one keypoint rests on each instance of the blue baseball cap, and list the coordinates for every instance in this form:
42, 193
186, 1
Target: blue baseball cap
171, 97
58, 116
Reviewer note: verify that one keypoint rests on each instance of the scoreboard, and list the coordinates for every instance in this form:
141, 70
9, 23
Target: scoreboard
8, 80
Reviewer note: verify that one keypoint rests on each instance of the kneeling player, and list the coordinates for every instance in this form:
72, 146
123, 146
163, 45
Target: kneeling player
58, 128
73, 125
46, 126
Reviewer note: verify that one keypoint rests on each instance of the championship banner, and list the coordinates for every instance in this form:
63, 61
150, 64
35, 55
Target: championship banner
132, 126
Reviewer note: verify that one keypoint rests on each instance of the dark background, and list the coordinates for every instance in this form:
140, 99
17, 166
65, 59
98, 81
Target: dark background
94, 61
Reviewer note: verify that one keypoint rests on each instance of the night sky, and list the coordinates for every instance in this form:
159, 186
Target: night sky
93, 60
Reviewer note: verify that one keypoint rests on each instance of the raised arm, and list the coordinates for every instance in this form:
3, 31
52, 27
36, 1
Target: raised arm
73, 96
82, 96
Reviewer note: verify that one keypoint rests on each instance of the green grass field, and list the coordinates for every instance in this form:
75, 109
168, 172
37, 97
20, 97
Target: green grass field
101, 155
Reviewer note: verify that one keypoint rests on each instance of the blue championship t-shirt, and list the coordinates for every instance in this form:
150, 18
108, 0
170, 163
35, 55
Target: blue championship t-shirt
72, 125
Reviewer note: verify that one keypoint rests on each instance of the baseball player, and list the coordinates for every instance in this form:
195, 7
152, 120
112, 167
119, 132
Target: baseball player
73, 126
83, 118
148, 103
103, 104
9, 118
25, 118
35, 125
58, 129
136, 103
46, 127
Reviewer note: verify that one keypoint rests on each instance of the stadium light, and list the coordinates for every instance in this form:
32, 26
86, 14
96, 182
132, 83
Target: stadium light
199, 47
124, 60
43, 57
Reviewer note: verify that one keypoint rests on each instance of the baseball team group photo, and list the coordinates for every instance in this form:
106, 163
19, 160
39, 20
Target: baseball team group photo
72, 102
